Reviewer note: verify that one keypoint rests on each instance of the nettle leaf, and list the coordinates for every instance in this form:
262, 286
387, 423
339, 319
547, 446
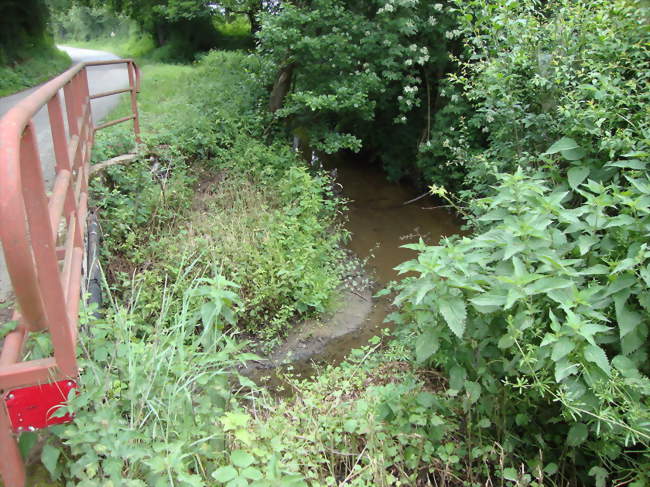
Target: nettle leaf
488, 302
547, 284
452, 309
595, 354
457, 376
564, 144
473, 391
562, 348
576, 175
630, 164
631, 342
426, 346
577, 434
574, 154
50, 457
563, 369
585, 242
626, 367
627, 319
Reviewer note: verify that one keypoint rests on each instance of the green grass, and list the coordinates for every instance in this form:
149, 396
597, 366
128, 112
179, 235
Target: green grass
234, 35
135, 47
40, 65
232, 201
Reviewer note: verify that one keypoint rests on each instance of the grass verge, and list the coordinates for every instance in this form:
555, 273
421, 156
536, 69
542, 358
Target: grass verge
40, 65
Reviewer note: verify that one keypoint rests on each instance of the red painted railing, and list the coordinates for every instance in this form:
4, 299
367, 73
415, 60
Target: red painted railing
43, 242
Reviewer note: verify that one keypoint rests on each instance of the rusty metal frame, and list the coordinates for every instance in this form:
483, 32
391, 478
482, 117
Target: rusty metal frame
43, 237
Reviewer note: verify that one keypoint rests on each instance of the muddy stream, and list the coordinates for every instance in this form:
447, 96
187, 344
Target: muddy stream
380, 224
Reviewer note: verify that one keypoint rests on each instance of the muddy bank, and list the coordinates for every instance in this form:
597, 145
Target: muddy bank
380, 224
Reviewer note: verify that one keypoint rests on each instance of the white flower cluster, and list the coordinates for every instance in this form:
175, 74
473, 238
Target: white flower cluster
410, 89
389, 7
438, 7
433, 21
391, 4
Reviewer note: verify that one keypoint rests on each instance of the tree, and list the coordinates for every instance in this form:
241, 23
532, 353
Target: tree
23, 26
349, 72
185, 23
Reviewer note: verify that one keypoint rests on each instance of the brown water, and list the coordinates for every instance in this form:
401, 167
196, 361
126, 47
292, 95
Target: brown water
380, 224
379, 221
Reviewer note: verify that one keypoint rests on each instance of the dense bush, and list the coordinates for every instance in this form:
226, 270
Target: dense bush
541, 318
28, 55
219, 197
362, 74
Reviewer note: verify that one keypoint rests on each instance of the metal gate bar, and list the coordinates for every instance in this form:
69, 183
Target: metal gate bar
43, 240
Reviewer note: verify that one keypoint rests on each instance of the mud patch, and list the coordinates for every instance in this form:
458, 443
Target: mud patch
311, 339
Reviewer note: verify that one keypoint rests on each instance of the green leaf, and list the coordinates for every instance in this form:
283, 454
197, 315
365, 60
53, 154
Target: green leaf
547, 284
627, 319
50, 457
506, 341
563, 369
595, 354
577, 434
630, 164
585, 242
241, 459
601, 475
224, 474
626, 367
551, 469
488, 302
576, 175
7, 328
510, 474
453, 311
473, 391
457, 376
426, 346
574, 154
252, 473
562, 348
426, 399
632, 342
564, 144
26, 442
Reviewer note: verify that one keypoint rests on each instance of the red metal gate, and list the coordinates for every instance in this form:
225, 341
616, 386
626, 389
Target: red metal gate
43, 242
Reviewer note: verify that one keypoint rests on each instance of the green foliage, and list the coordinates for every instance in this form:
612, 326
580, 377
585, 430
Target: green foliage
27, 52
150, 397
258, 214
378, 85
40, 64
533, 73
374, 420
541, 318
23, 28
84, 23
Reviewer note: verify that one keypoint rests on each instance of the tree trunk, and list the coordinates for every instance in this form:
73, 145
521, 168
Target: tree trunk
281, 87
160, 34
252, 18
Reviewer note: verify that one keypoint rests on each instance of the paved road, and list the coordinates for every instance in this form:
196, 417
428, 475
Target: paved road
100, 79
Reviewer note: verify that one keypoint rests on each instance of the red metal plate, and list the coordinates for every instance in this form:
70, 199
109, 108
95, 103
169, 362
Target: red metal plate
31, 408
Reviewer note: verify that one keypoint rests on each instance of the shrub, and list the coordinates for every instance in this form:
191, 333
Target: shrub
540, 320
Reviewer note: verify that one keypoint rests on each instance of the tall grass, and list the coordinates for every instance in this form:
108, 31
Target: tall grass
150, 394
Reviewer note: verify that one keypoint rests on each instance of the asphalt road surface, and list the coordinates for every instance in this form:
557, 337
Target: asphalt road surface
100, 79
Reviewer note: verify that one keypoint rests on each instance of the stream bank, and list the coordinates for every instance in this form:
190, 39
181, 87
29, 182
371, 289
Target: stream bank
380, 224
